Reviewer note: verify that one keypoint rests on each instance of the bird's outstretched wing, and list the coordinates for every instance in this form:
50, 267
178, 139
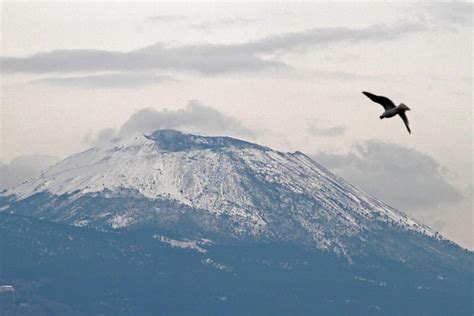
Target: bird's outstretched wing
385, 102
405, 120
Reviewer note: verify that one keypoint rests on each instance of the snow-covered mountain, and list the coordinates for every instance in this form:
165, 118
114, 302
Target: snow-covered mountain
242, 227
246, 189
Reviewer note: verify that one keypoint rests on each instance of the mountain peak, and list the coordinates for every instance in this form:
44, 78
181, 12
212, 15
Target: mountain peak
173, 140
211, 184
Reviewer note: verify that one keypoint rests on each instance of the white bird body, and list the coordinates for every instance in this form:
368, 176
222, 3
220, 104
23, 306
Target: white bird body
390, 113
401, 108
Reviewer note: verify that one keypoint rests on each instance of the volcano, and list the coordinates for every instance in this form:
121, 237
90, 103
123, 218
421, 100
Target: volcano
176, 223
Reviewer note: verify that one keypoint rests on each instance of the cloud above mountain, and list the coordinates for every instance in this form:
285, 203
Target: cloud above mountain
108, 80
206, 59
195, 117
403, 177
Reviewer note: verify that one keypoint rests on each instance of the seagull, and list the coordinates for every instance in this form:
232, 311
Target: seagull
390, 108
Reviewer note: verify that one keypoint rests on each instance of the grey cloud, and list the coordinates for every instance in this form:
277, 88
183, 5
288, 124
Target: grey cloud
195, 117
100, 138
109, 80
205, 59
402, 177
330, 35
22, 168
105, 135
452, 12
316, 130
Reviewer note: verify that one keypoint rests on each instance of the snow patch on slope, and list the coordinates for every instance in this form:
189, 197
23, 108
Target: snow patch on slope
186, 243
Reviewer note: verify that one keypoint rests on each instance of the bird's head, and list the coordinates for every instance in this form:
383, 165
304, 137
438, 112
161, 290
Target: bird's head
404, 107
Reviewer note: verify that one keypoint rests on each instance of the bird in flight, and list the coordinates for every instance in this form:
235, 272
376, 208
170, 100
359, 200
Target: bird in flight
390, 108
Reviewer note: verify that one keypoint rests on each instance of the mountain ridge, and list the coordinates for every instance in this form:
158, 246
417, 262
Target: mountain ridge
256, 190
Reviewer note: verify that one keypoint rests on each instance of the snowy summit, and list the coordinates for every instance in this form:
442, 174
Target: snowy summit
222, 185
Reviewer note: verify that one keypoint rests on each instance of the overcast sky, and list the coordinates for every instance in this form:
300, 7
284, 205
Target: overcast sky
286, 75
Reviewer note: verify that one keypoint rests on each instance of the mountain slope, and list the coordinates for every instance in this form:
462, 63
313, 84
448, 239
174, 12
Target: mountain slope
219, 223
60, 269
221, 184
